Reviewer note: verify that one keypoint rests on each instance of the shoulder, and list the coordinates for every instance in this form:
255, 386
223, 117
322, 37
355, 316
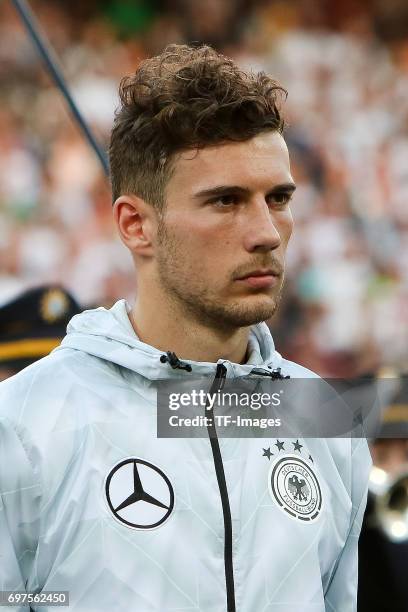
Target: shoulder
48, 411
39, 394
46, 373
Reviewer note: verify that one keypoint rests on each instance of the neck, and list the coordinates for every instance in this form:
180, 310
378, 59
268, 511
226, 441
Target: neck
168, 328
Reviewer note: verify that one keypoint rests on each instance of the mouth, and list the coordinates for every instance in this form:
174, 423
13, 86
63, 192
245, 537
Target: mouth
261, 278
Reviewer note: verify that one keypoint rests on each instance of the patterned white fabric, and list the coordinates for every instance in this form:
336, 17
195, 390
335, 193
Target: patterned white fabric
88, 411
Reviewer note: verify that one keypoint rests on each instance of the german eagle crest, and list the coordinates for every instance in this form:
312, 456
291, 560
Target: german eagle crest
294, 486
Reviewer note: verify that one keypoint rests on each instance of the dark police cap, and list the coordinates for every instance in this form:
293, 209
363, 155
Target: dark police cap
33, 324
395, 416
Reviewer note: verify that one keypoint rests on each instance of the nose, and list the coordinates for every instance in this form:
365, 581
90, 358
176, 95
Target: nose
262, 233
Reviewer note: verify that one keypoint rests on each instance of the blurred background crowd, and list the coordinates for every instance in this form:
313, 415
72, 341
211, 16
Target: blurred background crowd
345, 65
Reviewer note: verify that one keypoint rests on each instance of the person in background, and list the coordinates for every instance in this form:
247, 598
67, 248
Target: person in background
32, 325
383, 545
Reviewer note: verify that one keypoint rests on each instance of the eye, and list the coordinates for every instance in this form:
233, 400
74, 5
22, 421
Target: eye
280, 198
225, 200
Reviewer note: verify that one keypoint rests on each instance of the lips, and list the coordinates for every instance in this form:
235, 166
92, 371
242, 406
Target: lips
259, 274
260, 279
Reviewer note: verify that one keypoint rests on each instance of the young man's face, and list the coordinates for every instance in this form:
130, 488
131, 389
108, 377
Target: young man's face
222, 240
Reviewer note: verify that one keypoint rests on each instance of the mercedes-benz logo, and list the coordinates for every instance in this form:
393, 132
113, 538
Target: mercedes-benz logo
139, 494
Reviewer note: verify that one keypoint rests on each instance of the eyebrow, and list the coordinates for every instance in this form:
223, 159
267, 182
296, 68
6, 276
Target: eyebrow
221, 190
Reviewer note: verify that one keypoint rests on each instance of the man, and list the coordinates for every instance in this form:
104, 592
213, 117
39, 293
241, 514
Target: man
383, 545
32, 324
96, 504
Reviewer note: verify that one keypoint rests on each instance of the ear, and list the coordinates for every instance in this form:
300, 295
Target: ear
135, 221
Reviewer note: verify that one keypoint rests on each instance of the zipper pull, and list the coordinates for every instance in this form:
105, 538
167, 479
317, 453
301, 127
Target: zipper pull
273, 374
175, 362
220, 376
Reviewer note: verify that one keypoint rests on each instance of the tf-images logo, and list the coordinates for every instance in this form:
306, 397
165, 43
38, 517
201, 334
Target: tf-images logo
139, 494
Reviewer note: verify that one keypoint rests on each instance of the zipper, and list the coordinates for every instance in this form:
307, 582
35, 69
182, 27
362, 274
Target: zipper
217, 385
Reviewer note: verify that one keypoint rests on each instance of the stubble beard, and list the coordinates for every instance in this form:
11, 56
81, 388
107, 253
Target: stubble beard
189, 297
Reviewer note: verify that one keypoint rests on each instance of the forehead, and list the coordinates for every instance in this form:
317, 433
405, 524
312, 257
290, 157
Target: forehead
264, 158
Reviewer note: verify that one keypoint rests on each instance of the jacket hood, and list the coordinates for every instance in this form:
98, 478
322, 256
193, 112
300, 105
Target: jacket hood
108, 334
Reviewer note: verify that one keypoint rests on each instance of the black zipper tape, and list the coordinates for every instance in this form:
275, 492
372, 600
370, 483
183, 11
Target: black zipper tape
217, 385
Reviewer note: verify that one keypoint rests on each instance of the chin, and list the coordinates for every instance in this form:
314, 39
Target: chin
243, 315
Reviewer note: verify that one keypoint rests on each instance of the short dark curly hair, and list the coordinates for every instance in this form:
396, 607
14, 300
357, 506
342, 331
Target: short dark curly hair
184, 98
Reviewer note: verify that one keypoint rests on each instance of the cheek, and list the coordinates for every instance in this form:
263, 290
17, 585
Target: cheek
285, 226
202, 239
190, 244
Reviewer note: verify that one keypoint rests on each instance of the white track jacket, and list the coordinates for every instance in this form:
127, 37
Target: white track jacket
94, 503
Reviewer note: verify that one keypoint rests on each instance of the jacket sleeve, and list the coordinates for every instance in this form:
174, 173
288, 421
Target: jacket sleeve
341, 595
20, 494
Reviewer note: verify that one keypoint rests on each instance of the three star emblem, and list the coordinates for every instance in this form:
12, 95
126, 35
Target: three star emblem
297, 446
